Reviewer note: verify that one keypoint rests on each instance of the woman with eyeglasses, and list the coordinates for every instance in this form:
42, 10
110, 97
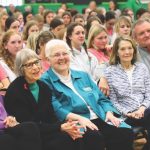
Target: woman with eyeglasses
29, 99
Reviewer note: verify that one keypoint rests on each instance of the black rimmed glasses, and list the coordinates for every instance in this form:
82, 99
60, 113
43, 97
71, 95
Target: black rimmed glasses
31, 64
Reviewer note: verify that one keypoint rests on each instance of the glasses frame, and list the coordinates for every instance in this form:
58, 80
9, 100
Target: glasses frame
30, 65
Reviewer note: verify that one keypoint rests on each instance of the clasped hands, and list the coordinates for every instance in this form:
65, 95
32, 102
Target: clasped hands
73, 128
76, 129
138, 114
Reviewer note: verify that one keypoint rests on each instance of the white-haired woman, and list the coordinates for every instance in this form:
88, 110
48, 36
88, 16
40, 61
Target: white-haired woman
76, 97
29, 99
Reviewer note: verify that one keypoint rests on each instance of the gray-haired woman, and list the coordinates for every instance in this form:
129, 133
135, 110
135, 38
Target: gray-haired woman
77, 97
29, 99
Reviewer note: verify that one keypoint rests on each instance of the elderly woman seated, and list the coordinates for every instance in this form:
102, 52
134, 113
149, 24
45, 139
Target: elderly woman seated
29, 99
129, 83
76, 97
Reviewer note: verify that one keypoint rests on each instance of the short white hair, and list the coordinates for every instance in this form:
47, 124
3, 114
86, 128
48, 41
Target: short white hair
52, 46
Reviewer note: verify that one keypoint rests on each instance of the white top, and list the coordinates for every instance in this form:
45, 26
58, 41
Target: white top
81, 62
68, 82
129, 74
11, 75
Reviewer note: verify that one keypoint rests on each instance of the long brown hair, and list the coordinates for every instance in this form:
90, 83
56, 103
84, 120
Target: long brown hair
4, 53
70, 30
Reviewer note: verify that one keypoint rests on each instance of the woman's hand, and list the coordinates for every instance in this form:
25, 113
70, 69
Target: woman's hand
73, 129
85, 122
109, 49
103, 85
111, 118
10, 122
138, 114
1, 85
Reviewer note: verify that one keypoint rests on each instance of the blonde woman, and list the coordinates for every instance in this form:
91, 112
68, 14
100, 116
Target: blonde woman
31, 41
98, 43
3, 17
122, 27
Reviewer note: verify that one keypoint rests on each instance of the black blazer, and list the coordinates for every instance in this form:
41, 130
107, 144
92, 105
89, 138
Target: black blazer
19, 102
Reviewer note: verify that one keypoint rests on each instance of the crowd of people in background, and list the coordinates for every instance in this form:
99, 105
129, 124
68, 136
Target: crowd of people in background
74, 81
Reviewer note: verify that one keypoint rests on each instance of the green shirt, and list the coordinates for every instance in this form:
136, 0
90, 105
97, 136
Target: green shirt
34, 88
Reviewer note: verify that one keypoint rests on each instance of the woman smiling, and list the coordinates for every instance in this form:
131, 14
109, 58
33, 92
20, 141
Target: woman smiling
77, 97
29, 99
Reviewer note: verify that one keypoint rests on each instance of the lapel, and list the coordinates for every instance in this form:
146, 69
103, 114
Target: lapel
27, 95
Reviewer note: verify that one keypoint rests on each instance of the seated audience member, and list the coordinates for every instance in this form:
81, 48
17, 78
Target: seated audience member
98, 44
77, 97
92, 20
16, 136
128, 12
11, 43
31, 41
122, 27
140, 12
41, 41
109, 22
48, 16
60, 11
40, 21
79, 18
67, 18
81, 59
3, 17
29, 99
129, 83
30, 27
85, 12
27, 16
57, 26
114, 8
92, 5
12, 23
4, 81
41, 9
141, 34
64, 6
19, 17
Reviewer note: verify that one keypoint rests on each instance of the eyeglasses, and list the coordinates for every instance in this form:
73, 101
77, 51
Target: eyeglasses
58, 55
31, 64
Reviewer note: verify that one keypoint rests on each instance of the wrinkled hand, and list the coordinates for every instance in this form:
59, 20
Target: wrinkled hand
85, 122
10, 122
138, 114
111, 118
73, 129
103, 85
